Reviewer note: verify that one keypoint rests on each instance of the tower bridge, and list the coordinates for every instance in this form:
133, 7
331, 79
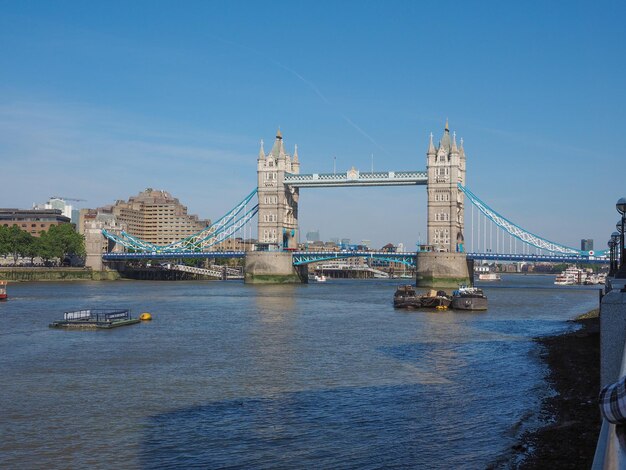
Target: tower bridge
279, 182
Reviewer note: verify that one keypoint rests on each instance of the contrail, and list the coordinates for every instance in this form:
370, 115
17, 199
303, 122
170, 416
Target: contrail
316, 90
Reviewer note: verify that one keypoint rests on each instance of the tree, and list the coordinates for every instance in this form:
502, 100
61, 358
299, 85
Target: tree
19, 242
4, 240
67, 241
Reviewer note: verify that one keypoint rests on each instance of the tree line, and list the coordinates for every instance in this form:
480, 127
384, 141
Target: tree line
58, 242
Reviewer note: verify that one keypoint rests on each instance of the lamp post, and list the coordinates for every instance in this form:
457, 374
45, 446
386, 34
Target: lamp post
613, 244
620, 205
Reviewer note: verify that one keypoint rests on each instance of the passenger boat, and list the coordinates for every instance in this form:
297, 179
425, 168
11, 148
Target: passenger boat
320, 278
406, 297
571, 276
469, 298
3, 290
488, 277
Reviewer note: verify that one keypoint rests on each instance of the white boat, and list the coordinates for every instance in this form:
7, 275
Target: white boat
488, 277
571, 276
320, 278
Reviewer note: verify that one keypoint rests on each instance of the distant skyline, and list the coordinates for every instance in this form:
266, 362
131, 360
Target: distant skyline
99, 101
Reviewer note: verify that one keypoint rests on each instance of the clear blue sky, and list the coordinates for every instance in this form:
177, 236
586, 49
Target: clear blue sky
99, 100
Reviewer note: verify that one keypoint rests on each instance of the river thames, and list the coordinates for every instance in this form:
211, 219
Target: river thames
323, 375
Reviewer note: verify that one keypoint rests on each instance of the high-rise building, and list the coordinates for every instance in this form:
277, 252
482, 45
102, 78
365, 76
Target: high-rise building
586, 244
313, 236
156, 217
446, 168
61, 204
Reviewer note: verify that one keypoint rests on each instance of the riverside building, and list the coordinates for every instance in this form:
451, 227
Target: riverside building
32, 221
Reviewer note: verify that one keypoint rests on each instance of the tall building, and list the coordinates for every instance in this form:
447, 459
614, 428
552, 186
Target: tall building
586, 244
156, 217
278, 204
446, 168
61, 204
313, 236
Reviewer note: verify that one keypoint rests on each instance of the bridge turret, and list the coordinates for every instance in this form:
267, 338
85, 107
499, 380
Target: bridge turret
445, 169
278, 203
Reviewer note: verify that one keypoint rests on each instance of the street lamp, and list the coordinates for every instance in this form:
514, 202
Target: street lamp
620, 205
613, 243
611, 248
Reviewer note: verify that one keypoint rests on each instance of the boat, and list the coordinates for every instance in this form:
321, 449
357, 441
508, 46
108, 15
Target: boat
95, 318
3, 290
570, 277
488, 277
469, 298
406, 297
320, 278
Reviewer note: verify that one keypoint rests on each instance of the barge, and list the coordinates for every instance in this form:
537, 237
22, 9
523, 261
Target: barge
469, 298
95, 319
406, 297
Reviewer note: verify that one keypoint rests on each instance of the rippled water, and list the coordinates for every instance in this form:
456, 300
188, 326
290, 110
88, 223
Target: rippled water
307, 376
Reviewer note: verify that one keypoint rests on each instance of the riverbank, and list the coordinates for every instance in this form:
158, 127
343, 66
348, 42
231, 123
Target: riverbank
569, 437
31, 274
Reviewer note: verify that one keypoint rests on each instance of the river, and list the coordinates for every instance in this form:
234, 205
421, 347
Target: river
325, 375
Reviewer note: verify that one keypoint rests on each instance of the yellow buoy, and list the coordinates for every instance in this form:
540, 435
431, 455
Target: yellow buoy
145, 316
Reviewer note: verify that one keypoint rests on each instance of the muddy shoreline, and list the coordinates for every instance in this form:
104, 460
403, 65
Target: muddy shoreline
571, 415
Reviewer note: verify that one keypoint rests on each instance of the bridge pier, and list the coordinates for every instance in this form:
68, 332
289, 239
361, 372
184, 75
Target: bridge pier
442, 270
273, 267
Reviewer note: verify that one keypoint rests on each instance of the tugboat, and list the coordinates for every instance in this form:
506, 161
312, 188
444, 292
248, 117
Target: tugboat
469, 298
3, 290
405, 297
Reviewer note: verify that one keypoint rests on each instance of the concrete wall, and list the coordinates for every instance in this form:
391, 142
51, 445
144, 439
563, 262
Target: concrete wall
272, 267
612, 334
442, 270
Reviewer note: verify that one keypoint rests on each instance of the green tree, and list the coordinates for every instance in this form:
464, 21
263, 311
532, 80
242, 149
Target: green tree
47, 248
19, 243
67, 241
4, 241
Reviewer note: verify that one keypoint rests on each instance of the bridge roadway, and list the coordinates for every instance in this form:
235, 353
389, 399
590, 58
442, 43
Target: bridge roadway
306, 257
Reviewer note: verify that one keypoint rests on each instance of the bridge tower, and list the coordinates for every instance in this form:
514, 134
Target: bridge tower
446, 167
278, 203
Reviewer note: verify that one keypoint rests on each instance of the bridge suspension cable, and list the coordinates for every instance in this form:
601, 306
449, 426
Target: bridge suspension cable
215, 233
515, 230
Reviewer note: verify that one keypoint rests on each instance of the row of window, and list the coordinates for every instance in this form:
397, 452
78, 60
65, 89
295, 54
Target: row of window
442, 197
442, 217
271, 199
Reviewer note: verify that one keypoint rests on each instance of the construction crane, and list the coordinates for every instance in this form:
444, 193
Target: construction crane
67, 198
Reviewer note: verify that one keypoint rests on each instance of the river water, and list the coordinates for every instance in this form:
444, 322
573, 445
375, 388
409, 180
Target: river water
301, 376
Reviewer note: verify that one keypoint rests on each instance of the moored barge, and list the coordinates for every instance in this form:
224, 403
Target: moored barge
95, 318
406, 297
469, 298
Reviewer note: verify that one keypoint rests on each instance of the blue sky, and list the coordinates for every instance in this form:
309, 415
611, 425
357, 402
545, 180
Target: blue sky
101, 100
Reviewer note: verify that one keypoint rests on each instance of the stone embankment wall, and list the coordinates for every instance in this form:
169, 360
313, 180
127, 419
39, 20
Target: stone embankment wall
17, 274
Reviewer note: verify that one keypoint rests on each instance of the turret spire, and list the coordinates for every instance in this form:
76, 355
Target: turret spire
261, 151
295, 153
431, 147
447, 127
454, 147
